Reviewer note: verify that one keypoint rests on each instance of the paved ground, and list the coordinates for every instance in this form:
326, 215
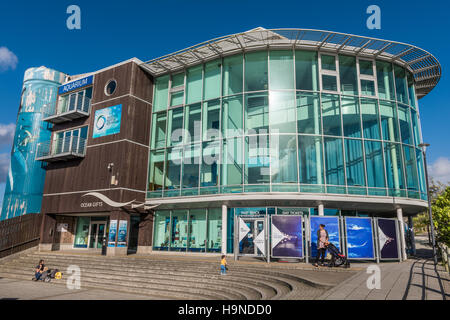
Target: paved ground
415, 279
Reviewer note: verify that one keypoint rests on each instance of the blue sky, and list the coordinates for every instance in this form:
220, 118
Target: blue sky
35, 34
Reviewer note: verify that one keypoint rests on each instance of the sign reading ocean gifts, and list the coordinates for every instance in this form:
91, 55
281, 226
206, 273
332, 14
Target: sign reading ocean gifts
74, 85
107, 121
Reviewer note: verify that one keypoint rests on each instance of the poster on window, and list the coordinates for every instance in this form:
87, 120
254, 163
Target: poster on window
112, 233
122, 234
387, 238
107, 121
287, 236
359, 238
331, 226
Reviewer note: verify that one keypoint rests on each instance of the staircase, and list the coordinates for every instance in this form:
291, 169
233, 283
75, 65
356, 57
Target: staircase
164, 278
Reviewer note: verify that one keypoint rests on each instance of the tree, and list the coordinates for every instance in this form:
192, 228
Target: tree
441, 216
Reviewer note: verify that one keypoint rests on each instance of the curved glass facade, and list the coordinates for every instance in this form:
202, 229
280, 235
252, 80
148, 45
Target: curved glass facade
286, 121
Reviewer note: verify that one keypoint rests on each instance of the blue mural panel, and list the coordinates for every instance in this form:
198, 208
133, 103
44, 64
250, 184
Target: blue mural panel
107, 121
359, 238
287, 236
331, 225
26, 176
387, 237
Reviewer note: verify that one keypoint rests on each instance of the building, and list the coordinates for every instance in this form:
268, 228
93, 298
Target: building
164, 154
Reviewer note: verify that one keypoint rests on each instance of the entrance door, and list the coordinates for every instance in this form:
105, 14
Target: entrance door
252, 236
134, 234
96, 235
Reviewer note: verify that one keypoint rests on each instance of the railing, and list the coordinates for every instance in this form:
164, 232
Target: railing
444, 254
19, 233
70, 105
68, 147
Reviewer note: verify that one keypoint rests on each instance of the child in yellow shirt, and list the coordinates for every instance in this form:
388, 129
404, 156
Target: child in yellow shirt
223, 265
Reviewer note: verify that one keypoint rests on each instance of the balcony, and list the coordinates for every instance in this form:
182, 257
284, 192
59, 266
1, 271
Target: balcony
68, 148
74, 107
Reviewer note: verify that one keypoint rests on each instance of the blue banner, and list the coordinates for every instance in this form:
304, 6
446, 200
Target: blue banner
287, 236
112, 233
122, 236
107, 121
74, 85
332, 227
359, 238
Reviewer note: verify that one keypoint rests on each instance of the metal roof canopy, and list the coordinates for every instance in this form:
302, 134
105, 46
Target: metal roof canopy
423, 65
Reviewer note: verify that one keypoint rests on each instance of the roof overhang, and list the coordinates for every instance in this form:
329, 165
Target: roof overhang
423, 66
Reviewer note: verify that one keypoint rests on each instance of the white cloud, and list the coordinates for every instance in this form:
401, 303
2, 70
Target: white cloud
440, 170
7, 133
8, 60
4, 166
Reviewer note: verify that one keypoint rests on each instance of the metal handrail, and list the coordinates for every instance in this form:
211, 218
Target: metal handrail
69, 145
73, 103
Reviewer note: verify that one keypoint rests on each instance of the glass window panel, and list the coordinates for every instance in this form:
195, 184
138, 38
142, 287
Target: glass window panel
191, 166
256, 76
257, 161
161, 238
366, 67
209, 175
354, 163
351, 117
329, 83
370, 119
193, 124
194, 84
232, 116
405, 124
175, 127
176, 98
161, 93
211, 119
306, 70
328, 62
308, 113
331, 115
367, 88
400, 84
282, 112
283, 155
197, 230
173, 168
421, 171
257, 113
347, 73
82, 232
374, 164
232, 162
178, 80
281, 69
214, 230
179, 230
389, 125
415, 127
411, 90
394, 167
232, 75
412, 180
334, 161
212, 80
310, 159
385, 79
156, 170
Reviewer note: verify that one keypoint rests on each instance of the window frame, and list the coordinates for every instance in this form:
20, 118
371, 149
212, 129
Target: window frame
366, 77
334, 73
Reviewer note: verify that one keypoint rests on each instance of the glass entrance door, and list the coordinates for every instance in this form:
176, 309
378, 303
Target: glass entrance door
96, 234
251, 236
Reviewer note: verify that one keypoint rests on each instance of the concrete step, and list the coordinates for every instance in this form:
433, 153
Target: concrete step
271, 284
251, 289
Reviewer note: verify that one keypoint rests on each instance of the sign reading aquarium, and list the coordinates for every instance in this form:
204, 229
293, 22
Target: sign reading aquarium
107, 121
74, 85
